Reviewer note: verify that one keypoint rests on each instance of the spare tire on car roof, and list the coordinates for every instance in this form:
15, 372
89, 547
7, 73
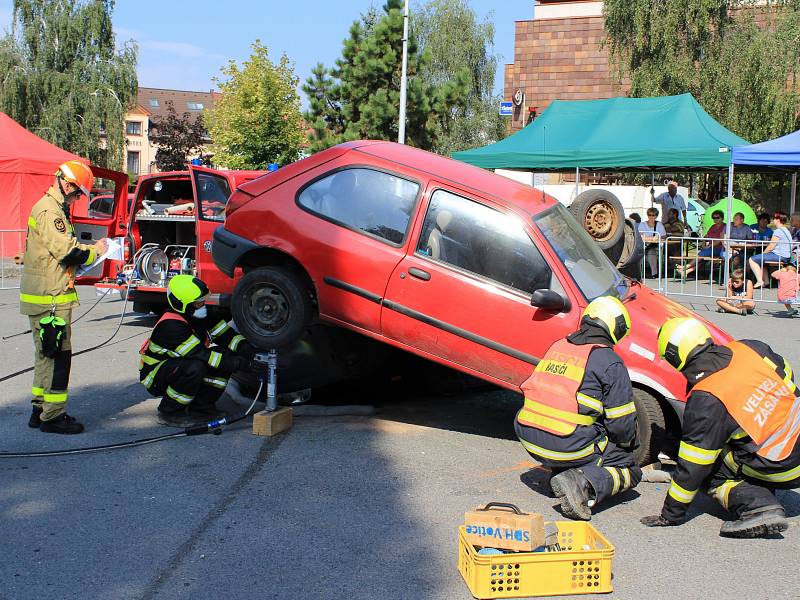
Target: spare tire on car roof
600, 213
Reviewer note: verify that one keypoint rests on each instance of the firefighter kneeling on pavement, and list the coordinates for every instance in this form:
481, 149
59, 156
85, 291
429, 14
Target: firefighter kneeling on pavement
579, 417
740, 430
179, 363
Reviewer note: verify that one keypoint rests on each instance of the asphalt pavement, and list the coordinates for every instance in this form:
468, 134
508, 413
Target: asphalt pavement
337, 507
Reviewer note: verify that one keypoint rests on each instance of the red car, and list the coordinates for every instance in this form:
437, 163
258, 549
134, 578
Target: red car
438, 258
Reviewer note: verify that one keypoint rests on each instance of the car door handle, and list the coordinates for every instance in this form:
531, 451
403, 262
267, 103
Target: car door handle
419, 274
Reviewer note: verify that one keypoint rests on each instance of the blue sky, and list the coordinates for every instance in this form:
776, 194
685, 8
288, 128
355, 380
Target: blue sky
182, 45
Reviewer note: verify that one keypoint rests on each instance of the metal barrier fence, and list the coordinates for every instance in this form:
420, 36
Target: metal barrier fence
700, 267
12, 243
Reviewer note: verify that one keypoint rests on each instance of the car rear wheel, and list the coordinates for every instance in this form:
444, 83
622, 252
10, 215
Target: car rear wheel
600, 213
651, 425
271, 306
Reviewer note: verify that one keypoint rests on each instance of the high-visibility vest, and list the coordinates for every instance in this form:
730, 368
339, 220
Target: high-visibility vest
551, 392
763, 404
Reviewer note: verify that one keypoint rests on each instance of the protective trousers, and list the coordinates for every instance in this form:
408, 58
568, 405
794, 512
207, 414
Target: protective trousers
739, 494
610, 473
51, 375
187, 383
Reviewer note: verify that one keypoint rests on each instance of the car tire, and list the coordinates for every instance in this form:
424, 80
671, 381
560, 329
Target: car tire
600, 213
272, 306
651, 425
628, 253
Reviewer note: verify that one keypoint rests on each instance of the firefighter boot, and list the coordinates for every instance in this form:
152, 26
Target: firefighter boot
575, 493
36, 417
61, 424
759, 522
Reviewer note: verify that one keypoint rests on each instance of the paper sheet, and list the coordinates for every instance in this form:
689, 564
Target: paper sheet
115, 251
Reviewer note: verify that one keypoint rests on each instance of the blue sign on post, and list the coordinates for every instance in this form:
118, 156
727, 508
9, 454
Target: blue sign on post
506, 109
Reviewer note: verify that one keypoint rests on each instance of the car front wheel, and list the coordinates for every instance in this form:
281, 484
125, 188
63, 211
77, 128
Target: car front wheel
271, 306
651, 426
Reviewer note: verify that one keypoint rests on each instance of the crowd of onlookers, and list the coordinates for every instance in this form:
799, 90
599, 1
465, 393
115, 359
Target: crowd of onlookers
747, 257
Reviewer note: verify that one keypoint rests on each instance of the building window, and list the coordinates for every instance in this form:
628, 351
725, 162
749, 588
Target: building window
154, 102
133, 163
133, 127
194, 105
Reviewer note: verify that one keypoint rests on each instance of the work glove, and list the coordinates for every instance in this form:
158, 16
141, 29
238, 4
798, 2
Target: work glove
239, 363
657, 521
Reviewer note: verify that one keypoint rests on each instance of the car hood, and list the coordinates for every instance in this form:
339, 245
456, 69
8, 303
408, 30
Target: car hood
649, 310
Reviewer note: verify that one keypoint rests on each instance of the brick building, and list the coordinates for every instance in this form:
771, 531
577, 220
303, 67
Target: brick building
558, 55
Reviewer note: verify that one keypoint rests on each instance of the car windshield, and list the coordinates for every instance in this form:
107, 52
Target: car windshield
589, 267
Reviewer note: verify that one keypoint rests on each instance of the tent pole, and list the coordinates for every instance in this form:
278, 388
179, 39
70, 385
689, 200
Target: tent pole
729, 219
577, 180
794, 193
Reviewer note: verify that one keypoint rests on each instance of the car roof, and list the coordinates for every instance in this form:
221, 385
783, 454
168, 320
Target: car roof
502, 190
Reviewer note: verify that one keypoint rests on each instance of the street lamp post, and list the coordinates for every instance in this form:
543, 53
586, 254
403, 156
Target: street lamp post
401, 129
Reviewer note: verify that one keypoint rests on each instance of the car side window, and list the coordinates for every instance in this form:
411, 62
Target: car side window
213, 192
372, 201
484, 241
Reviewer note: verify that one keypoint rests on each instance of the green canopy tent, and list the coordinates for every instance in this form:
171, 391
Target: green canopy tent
622, 134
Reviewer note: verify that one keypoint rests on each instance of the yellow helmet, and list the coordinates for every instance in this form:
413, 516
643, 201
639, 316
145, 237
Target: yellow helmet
610, 314
185, 290
680, 339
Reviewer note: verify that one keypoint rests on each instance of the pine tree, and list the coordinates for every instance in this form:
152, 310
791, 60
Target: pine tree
359, 98
62, 78
256, 120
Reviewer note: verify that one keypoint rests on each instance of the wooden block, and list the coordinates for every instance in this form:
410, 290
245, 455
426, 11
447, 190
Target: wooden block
272, 423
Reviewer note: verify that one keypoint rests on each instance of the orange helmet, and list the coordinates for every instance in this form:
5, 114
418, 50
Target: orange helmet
78, 173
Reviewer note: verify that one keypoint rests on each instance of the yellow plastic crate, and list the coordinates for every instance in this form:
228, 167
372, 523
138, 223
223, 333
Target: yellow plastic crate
523, 574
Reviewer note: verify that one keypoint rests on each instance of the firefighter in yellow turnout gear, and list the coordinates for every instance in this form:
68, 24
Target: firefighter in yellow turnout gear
179, 362
47, 294
740, 429
579, 417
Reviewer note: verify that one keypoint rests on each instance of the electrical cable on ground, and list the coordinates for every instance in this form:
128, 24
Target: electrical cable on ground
210, 427
113, 335
13, 335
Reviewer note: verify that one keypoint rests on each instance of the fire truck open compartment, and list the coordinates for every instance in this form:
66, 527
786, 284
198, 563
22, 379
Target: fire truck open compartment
167, 237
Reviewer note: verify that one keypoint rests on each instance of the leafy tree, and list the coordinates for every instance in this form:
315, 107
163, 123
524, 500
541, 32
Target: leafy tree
62, 78
736, 67
178, 137
256, 120
739, 58
456, 42
360, 97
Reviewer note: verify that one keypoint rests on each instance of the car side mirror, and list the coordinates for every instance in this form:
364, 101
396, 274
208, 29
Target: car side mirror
550, 300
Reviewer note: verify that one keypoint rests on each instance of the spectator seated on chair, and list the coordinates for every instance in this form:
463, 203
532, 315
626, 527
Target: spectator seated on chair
652, 232
778, 251
739, 299
714, 249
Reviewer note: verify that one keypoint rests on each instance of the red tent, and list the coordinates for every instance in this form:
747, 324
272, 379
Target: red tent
27, 167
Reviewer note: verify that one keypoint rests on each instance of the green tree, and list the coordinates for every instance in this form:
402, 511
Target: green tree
736, 66
62, 78
456, 42
178, 137
359, 98
256, 120
739, 58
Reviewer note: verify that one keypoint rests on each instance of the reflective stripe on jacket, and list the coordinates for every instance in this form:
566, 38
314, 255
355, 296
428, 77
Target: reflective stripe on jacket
551, 392
765, 405
50, 239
